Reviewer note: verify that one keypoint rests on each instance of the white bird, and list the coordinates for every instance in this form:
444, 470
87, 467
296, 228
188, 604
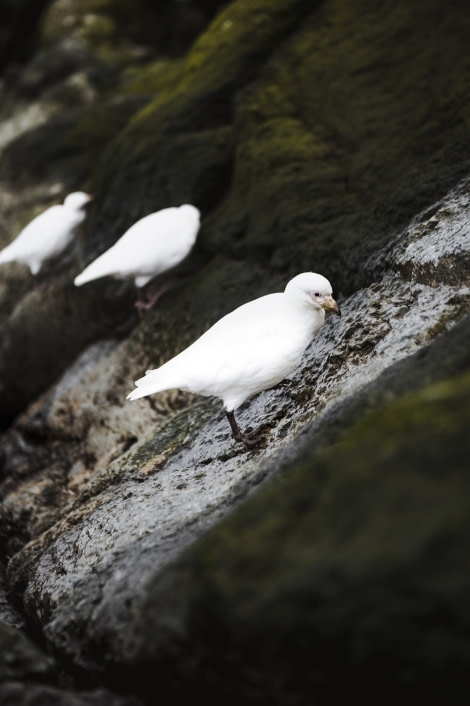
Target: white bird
48, 234
148, 248
249, 350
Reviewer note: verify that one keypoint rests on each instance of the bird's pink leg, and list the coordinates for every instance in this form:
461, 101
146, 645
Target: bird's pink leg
148, 303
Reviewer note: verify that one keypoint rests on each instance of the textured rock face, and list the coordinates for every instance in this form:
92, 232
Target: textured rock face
142, 541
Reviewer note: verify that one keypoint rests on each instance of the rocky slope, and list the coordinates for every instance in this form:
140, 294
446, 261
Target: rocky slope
143, 544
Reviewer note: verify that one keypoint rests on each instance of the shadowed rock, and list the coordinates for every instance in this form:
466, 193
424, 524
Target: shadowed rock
142, 542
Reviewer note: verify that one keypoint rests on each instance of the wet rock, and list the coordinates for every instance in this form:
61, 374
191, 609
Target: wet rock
21, 659
28, 676
143, 542
351, 562
56, 343
89, 573
18, 694
436, 248
228, 126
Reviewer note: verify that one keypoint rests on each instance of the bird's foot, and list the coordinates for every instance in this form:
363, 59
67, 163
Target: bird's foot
250, 433
247, 439
142, 305
249, 436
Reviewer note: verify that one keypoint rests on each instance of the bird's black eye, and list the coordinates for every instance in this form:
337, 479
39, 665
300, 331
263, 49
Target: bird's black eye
317, 294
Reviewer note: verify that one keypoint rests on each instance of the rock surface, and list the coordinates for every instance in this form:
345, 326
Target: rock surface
143, 544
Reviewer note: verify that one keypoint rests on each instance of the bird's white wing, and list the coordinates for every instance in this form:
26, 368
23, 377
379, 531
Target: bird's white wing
249, 352
45, 236
150, 246
250, 349
35, 236
156, 242
174, 235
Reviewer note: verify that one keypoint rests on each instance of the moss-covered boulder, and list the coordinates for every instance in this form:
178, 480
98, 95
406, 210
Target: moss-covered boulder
142, 541
346, 574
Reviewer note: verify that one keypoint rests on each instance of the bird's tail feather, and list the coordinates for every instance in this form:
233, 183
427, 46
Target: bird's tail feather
93, 271
152, 382
6, 255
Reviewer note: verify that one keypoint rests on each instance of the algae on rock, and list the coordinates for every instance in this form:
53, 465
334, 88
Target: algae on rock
142, 540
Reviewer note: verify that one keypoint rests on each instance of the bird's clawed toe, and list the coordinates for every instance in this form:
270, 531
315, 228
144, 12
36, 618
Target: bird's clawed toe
248, 439
141, 305
250, 433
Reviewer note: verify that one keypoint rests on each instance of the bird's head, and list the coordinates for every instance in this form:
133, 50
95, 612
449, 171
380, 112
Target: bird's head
313, 289
77, 200
191, 212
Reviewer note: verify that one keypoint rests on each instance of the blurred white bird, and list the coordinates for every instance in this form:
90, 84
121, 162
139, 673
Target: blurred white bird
249, 350
148, 248
48, 234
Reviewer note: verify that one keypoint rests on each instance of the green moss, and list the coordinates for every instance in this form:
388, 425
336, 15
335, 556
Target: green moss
351, 128
148, 78
308, 140
346, 120
195, 93
67, 147
100, 26
409, 457
225, 55
149, 456
98, 125
106, 6
411, 431
357, 556
96, 30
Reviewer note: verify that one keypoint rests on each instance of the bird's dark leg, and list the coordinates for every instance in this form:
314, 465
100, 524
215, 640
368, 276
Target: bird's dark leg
247, 439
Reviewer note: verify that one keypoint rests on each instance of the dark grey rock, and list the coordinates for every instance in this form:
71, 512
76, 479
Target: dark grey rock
145, 545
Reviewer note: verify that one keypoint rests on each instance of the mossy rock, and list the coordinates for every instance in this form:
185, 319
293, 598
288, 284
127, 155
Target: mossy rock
167, 150
351, 564
65, 148
352, 126
338, 137
101, 27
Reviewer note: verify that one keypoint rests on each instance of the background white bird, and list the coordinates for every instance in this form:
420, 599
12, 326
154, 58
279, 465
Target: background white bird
151, 246
249, 350
48, 234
